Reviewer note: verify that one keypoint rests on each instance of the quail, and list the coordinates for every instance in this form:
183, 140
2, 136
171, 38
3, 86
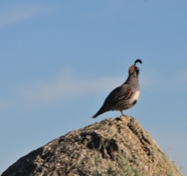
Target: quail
124, 96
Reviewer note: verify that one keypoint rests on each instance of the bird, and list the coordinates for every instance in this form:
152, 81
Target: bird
124, 96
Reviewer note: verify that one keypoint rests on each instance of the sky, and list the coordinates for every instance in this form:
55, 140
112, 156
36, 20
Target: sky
60, 59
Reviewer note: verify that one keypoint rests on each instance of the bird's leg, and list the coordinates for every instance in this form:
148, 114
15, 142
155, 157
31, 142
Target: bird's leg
123, 114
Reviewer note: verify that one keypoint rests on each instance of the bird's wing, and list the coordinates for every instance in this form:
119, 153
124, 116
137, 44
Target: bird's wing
126, 95
118, 95
121, 93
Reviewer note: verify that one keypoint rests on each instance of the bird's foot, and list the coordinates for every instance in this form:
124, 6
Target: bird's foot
123, 114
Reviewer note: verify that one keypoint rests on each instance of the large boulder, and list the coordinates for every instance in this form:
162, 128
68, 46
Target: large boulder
114, 146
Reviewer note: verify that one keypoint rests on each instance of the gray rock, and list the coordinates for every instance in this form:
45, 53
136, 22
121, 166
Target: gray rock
119, 146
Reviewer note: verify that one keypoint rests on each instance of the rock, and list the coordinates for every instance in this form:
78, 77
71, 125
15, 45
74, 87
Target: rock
114, 146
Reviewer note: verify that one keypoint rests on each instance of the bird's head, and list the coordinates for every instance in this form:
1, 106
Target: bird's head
133, 70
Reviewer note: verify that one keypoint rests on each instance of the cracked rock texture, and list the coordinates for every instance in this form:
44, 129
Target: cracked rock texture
97, 147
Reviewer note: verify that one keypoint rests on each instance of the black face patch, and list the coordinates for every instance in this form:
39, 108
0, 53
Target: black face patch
134, 102
137, 71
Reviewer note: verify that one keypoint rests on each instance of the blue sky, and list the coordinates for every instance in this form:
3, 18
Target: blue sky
59, 60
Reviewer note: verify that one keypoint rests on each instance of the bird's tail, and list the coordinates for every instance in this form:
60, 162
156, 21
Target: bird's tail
101, 111
94, 116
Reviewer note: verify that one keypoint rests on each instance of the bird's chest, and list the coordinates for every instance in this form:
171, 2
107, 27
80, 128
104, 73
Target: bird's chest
135, 96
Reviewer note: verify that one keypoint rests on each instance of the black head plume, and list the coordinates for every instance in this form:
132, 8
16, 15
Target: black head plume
138, 60
134, 68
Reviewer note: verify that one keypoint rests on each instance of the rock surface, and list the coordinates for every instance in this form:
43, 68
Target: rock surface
118, 146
